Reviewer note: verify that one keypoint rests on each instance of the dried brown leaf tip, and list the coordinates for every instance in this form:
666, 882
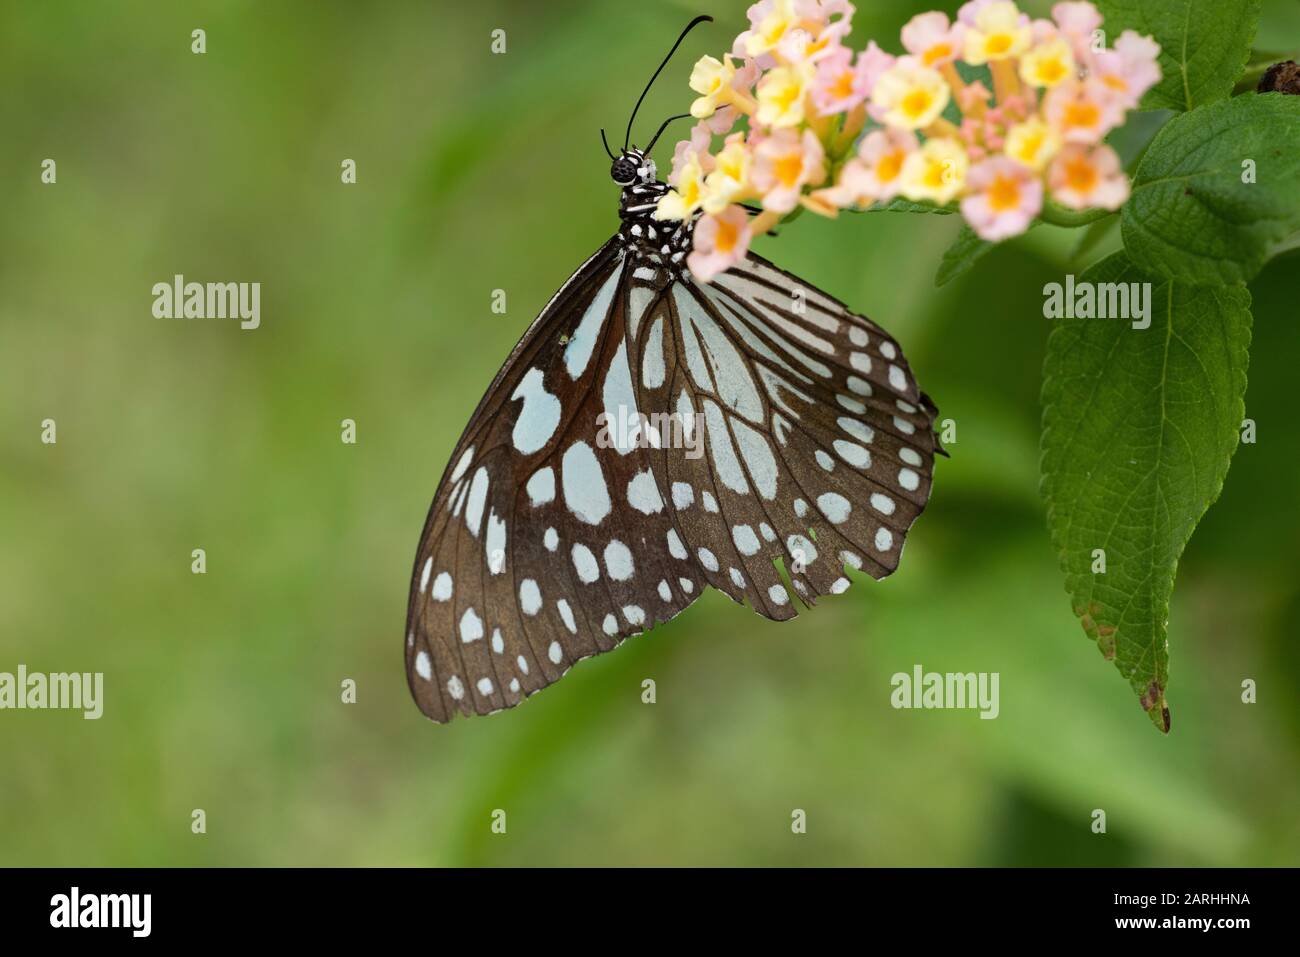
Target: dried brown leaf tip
1152, 698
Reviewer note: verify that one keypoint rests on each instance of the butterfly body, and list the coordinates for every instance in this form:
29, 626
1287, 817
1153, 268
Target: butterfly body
655, 241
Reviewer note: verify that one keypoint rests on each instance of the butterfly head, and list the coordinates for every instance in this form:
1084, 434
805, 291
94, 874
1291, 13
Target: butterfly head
632, 167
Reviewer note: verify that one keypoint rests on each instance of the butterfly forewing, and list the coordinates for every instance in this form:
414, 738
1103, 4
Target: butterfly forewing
543, 544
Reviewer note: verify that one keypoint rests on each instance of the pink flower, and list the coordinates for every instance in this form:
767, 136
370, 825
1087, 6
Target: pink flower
839, 86
969, 11
1080, 178
973, 96
1003, 199
1077, 20
1130, 68
1083, 111
783, 163
692, 151
802, 46
932, 39
873, 175
873, 62
719, 242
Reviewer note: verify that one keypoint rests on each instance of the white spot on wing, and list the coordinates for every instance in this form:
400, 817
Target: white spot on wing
652, 363
585, 492
541, 487
530, 597
471, 626
585, 563
477, 498
567, 614
618, 561
463, 464
643, 493
835, 507
539, 416
577, 354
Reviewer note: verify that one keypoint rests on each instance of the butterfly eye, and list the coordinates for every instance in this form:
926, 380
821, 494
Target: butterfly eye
624, 170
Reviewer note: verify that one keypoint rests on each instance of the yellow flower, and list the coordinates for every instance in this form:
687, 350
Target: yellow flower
1032, 143
781, 95
730, 177
688, 195
1048, 63
999, 32
911, 96
767, 33
935, 172
711, 79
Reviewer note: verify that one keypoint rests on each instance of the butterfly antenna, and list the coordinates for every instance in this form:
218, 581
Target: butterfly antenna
662, 127
605, 143
689, 27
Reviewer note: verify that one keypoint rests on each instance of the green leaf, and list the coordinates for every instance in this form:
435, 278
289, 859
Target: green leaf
1092, 237
1191, 217
1204, 45
964, 252
1138, 428
900, 205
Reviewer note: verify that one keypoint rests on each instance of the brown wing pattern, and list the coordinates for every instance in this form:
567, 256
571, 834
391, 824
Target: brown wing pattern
648, 436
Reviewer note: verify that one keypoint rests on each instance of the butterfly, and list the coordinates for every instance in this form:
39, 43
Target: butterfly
650, 436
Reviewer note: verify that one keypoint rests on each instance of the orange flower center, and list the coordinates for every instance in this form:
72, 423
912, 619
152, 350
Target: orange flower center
889, 165
935, 174
1051, 71
1030, 145
937, 52
916, 103
998, 44
1081, 175
1004, 194
1115, 82
843, 86
727, 236
788, 169
1083, 114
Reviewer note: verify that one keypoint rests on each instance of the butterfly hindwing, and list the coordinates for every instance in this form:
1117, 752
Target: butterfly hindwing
819, 446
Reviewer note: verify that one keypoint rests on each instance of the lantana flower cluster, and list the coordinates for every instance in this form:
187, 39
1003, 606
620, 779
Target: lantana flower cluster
827, 128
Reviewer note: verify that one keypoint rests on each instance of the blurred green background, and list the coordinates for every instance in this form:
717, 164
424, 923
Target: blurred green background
478, 172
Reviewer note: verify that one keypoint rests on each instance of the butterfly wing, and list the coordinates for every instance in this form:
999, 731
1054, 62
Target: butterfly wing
650, 435
535, 554
819, 447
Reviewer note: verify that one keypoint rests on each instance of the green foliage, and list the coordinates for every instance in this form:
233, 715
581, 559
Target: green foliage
1204, 45
900, 205
1217, 190
966, 250
478, 172
1138, 428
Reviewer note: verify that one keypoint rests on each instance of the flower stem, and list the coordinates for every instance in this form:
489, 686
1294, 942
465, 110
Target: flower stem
1005, 82
942, 127
1054, 214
